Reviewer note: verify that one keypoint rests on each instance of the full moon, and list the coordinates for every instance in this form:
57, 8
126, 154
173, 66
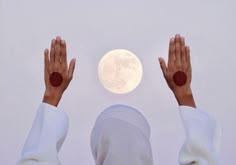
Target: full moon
120, 71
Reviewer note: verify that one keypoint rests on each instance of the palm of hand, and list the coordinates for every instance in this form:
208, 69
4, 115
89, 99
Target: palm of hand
57, 64
179, 60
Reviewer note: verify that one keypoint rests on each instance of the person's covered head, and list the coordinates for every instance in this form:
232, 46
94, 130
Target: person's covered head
121, 136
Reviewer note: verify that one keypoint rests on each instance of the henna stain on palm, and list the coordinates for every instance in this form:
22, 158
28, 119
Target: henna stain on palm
180, 78
56, 79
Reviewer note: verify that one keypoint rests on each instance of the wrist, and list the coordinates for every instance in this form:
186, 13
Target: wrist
185, 98
52, 98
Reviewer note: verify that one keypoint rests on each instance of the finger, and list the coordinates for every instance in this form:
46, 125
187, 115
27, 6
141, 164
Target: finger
177, 50
63, 52
71, 69
163, 66
58, 50
171, 52
189, 67
46, 59
187, 50
183, 52
52, 52
46, 63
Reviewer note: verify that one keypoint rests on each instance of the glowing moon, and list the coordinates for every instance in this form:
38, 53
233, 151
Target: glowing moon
120, 71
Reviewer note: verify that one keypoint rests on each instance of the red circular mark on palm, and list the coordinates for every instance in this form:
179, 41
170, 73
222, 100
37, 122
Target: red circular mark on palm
56, 79
180, 78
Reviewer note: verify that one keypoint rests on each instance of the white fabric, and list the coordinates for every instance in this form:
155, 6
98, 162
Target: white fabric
203, 134
121, 137
46, 137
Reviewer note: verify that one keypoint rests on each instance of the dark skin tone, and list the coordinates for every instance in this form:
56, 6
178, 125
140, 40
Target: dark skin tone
56, 61
179, 60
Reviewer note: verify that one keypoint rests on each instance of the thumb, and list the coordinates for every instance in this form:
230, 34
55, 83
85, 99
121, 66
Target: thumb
71, 68
46, 65
163, 65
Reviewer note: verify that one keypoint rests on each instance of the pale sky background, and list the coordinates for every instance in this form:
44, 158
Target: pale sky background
91, 29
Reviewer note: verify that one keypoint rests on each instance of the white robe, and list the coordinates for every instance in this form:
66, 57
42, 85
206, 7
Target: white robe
121, 136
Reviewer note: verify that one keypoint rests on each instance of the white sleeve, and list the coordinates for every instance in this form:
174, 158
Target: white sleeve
203, 133
46, 137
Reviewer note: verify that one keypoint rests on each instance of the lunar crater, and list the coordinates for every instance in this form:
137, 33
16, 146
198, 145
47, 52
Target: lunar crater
120, 71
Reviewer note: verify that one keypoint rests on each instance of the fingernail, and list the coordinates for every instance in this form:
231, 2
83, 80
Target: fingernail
177, 35
46, 51
63, 42
58, 38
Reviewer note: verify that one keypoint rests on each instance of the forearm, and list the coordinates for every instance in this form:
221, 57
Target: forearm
52, 98
46, 136
185, 98
203, 135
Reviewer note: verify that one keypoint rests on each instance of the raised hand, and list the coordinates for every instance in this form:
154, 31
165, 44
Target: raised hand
178, 72
57, 74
